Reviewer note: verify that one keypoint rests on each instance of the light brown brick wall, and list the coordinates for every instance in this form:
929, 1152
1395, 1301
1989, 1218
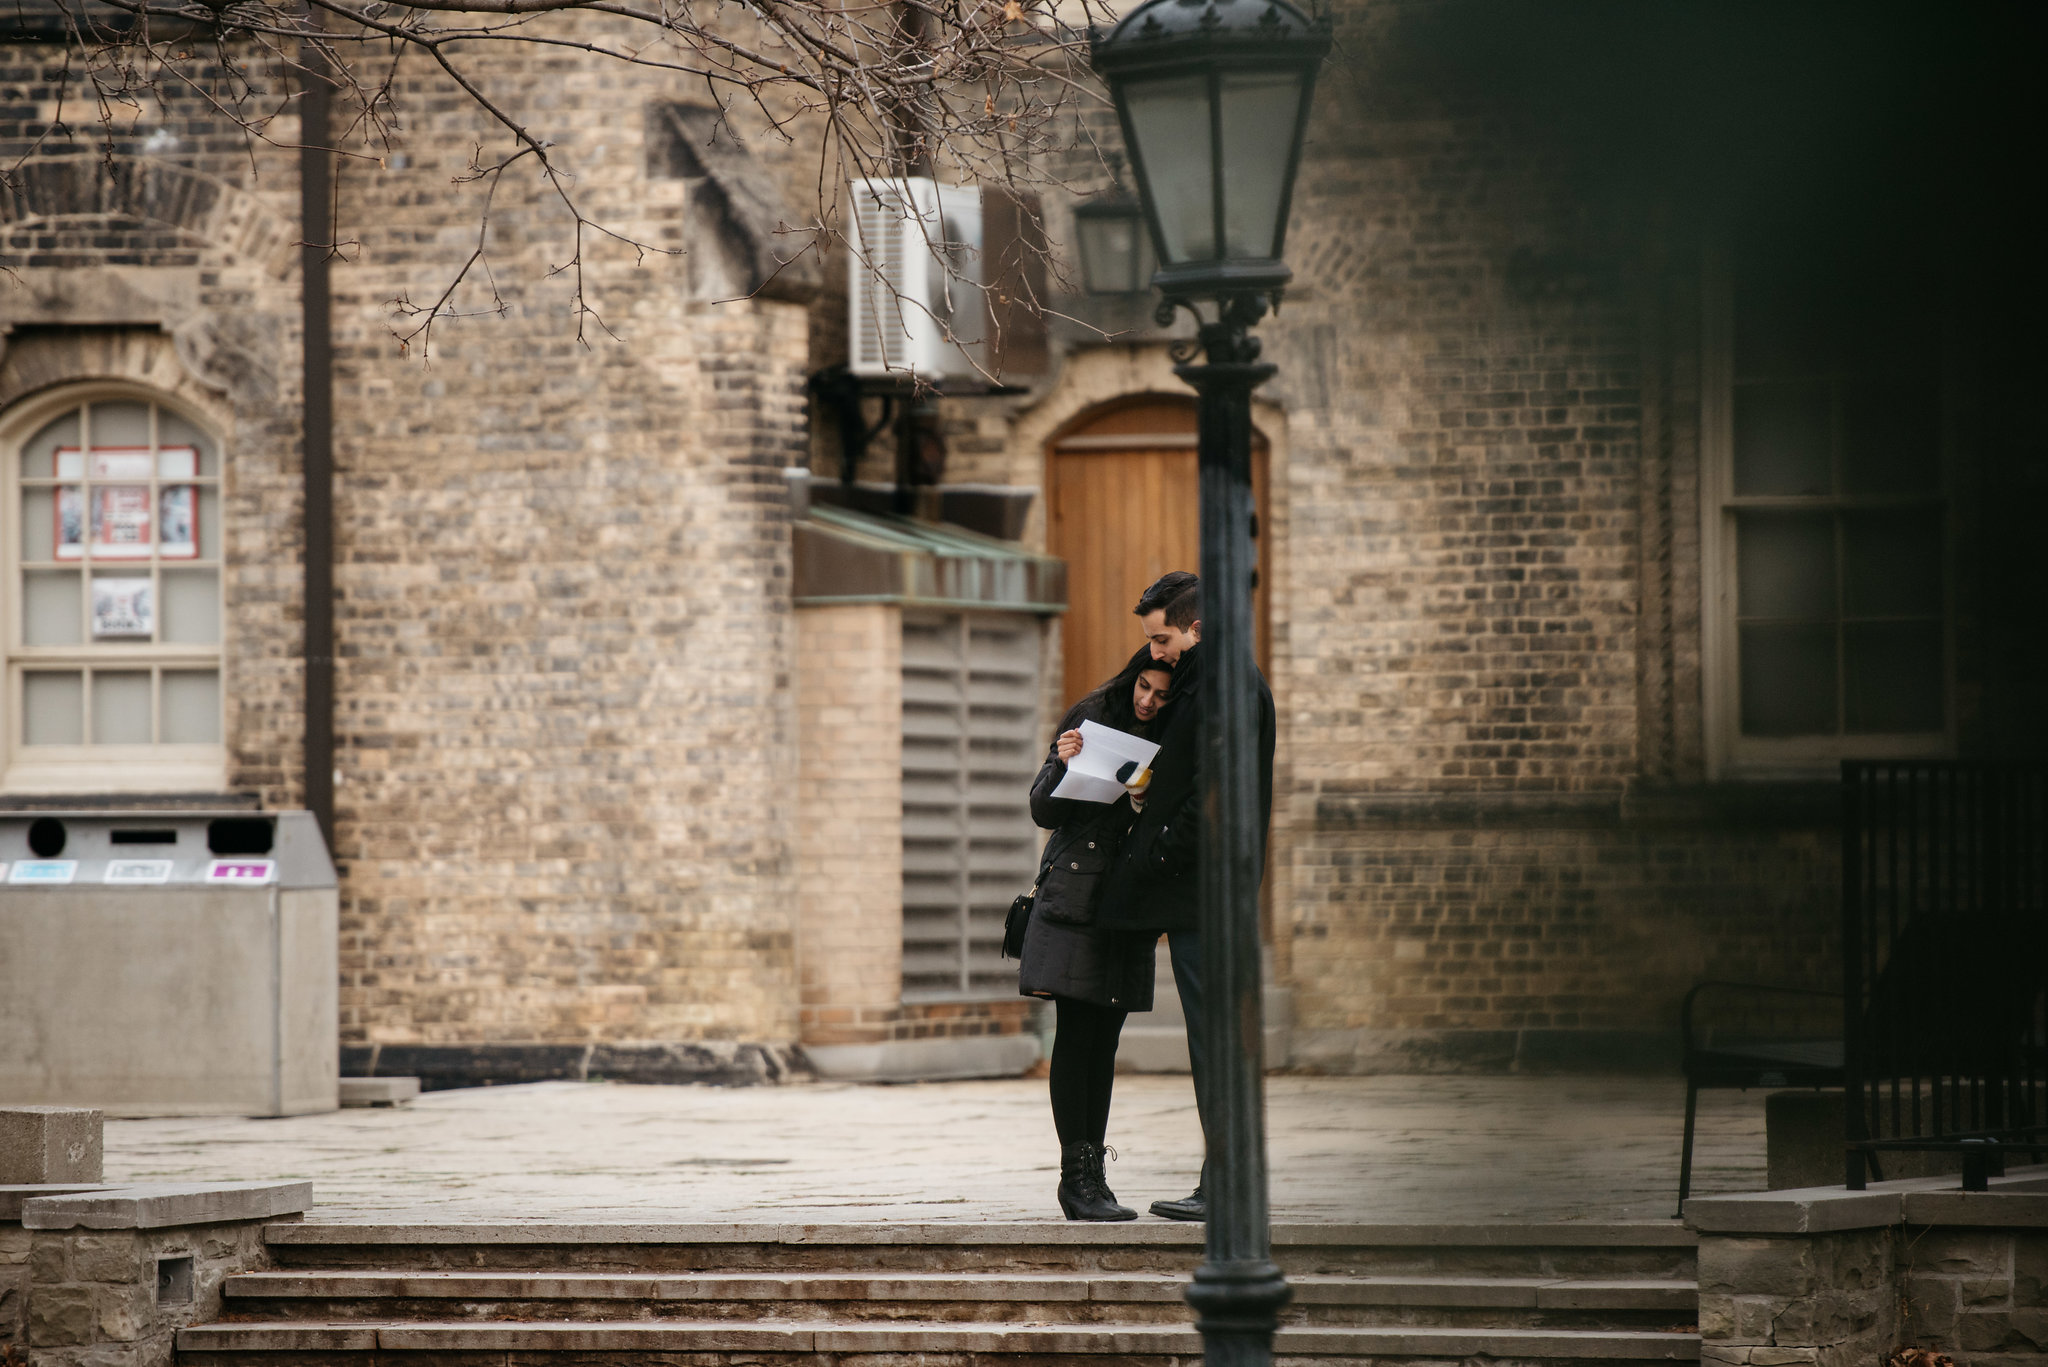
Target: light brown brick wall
564, 724
849, 816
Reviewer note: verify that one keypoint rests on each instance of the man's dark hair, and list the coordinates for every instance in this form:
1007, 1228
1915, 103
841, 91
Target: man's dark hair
1178, 594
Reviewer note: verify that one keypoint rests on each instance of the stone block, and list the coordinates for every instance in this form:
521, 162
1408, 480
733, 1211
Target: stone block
1777, 1267
2032, 1325
1986, 1331
1781, 1357
51, 1144
105, 1257
1856, 1259
14, 1245
1931, 1307
1984, 1291
1756, 1318
1723, 1355
1716, 1316
1960, 1252
1836, 1316
49, 1262
2030, 1269
125, 1313
61, 1316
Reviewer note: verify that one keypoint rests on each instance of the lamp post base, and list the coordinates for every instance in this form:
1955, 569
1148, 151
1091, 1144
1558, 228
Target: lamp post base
1237, 1308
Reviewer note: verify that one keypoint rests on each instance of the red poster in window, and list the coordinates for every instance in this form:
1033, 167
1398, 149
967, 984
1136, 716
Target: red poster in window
129, 520
121, 522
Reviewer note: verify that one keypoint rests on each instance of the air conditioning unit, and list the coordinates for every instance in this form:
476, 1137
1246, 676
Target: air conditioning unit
914, 302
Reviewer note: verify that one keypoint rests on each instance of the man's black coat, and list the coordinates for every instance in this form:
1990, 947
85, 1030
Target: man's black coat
1155, 883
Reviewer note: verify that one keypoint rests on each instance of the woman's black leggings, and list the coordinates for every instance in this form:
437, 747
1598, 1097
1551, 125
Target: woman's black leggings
1083, 1069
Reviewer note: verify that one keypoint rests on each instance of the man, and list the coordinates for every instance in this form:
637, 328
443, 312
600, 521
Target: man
1155, 884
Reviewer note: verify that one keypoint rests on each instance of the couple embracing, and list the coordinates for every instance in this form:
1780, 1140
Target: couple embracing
1114, 877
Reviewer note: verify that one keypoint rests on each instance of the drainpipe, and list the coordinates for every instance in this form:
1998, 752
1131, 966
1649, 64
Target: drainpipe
316, 232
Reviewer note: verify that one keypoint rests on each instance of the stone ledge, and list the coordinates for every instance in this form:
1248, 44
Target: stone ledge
924, 1060
715, 1336
656, 1232
378, 1091
13, 1195
1619, 1294
1983, 1209
2015, 1199
1528, 1293
1809, 1210
1578, 1234
160, 1206
441, 1067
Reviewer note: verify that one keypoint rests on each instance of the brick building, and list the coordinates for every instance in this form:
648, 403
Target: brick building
1653, 431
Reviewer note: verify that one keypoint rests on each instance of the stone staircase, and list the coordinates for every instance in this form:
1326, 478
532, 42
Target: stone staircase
1022, 1295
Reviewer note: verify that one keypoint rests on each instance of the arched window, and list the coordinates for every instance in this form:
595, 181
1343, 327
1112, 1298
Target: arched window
111, 543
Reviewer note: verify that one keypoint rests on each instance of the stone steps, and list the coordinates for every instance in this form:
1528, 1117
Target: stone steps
1650, 1250
314, 1345
1019, 1295
956, 1298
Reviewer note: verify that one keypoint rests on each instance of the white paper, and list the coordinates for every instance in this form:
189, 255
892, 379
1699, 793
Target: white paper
1091, 775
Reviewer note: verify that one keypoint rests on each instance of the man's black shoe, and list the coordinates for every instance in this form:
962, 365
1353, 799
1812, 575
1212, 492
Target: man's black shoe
1193, 1206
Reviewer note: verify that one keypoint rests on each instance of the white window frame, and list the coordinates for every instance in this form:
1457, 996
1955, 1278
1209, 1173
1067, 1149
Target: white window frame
88, 768
1731, 755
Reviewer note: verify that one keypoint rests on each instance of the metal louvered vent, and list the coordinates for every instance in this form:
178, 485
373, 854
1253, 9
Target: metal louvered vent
970, 751
879, 338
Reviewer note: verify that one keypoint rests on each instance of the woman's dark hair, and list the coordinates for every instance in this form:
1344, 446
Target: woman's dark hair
1113, 695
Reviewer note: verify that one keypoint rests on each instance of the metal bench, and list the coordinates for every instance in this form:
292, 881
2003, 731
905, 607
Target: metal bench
1745, 1035
1945, 962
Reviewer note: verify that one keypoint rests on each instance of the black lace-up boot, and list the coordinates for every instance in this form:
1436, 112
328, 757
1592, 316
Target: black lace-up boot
1082, 1194
1100, 1179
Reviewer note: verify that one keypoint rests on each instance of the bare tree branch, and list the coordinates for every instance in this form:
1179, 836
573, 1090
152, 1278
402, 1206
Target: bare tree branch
989, 90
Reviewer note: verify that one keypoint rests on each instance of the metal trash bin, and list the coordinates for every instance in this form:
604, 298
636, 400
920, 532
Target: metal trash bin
168, 963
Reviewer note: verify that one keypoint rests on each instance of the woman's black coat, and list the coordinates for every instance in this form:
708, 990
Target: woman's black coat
1154, 884
1064, 954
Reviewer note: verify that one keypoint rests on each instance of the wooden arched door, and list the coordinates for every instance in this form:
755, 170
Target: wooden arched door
1123, 506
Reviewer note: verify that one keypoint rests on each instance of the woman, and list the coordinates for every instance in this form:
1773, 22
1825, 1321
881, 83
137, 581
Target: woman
1094, 978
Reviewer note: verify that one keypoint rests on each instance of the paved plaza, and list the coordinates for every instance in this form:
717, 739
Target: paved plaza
1378, 1149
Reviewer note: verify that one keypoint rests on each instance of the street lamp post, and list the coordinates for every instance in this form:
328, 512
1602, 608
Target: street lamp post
1214, 97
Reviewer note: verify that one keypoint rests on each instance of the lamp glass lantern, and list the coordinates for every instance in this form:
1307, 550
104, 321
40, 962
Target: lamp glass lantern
1214, 98
1115, 245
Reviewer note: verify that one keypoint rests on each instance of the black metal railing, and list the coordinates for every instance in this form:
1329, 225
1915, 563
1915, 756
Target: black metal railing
1945, 961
